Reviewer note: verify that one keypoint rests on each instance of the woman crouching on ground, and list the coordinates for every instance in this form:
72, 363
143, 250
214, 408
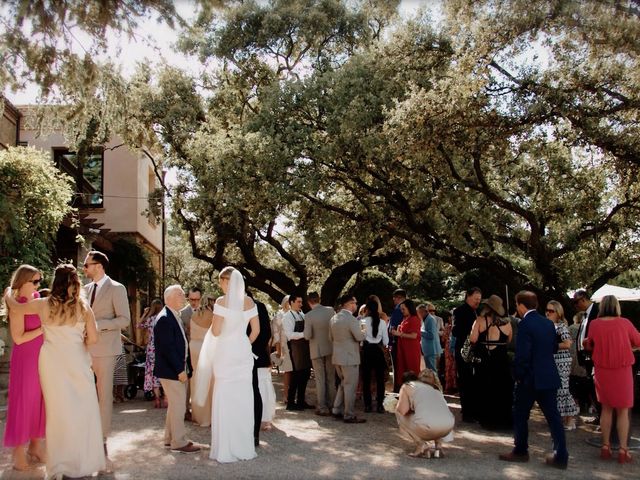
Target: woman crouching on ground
422, 412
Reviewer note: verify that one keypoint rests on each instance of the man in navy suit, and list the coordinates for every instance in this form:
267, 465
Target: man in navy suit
173, 368
537, 380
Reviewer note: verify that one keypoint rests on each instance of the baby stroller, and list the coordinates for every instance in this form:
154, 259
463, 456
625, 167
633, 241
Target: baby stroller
136, 358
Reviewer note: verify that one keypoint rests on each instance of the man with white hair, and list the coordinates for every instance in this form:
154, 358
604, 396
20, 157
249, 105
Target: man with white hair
173, 368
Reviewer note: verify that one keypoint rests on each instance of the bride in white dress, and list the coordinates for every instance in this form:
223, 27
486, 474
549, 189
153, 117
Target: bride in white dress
226, 354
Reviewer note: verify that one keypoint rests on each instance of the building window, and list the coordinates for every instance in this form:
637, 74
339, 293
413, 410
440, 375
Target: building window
88, 175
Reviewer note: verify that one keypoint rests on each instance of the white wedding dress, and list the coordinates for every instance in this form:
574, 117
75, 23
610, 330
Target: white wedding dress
228, 358
232, 414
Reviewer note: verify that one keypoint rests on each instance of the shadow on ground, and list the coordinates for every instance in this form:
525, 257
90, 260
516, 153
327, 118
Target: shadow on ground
303, 445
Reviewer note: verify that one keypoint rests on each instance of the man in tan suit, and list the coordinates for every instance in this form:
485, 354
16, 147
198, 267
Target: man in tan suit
316, 329
346, 335
108, 300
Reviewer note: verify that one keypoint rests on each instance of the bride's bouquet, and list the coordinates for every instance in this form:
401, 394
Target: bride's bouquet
390, 402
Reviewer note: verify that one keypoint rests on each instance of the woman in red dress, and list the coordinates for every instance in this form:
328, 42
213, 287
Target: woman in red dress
408, 333
611, 339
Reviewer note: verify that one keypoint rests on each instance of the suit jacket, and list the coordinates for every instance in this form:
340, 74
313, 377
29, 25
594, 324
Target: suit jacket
260, 346
316, 329
346, 335
593, 314
171, 347
463, 318
536, 344
583, 355
111, 309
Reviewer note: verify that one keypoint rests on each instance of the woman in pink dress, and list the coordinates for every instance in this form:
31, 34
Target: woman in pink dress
25, 413
611, 339
408, 334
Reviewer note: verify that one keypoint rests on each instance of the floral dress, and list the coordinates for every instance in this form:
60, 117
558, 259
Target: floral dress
449, 362
150, 382
566, 404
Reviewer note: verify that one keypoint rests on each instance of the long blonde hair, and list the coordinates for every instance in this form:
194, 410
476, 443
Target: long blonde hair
21, 276
66, 301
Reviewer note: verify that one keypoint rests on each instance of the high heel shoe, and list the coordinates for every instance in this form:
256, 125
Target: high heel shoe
156, 402
605, 452
624, 456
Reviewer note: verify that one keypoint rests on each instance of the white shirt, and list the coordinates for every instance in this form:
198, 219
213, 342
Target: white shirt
179, 322
383, 335
583, 327
288, 324
97, 285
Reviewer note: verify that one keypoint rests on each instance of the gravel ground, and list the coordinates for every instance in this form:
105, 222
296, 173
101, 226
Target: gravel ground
303, 445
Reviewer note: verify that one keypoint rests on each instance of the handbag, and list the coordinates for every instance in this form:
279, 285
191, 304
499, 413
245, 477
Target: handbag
468, 352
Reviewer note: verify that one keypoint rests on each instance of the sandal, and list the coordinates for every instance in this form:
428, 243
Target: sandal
605, 452
624, 456
438, 453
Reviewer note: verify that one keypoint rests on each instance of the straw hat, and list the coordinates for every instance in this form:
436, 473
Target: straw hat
494, 302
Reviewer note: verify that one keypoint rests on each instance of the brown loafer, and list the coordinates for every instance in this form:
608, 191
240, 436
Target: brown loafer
188, 448
514, 457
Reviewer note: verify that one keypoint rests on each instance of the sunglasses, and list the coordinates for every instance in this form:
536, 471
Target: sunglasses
36, 281
548, 310
86, 265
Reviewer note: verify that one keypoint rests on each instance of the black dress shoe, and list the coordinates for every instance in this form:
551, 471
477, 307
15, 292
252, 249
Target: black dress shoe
337, 416
294, 408
380, 409
552, 461
354, 420
514, 457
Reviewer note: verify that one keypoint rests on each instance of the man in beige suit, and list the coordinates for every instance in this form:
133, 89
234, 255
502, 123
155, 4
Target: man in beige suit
108, 300
316, 329
346, 335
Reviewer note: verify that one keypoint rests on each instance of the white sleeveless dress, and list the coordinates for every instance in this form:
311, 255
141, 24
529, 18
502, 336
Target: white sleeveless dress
74, 431
232, 416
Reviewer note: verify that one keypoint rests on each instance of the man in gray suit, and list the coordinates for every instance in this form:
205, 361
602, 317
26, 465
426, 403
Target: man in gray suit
316, 329
195, 297
110, 305
346, 335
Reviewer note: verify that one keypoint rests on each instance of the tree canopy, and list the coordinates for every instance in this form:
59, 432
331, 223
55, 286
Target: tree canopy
326, 137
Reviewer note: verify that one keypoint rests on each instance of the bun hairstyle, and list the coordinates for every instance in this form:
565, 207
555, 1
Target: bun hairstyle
65, 301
